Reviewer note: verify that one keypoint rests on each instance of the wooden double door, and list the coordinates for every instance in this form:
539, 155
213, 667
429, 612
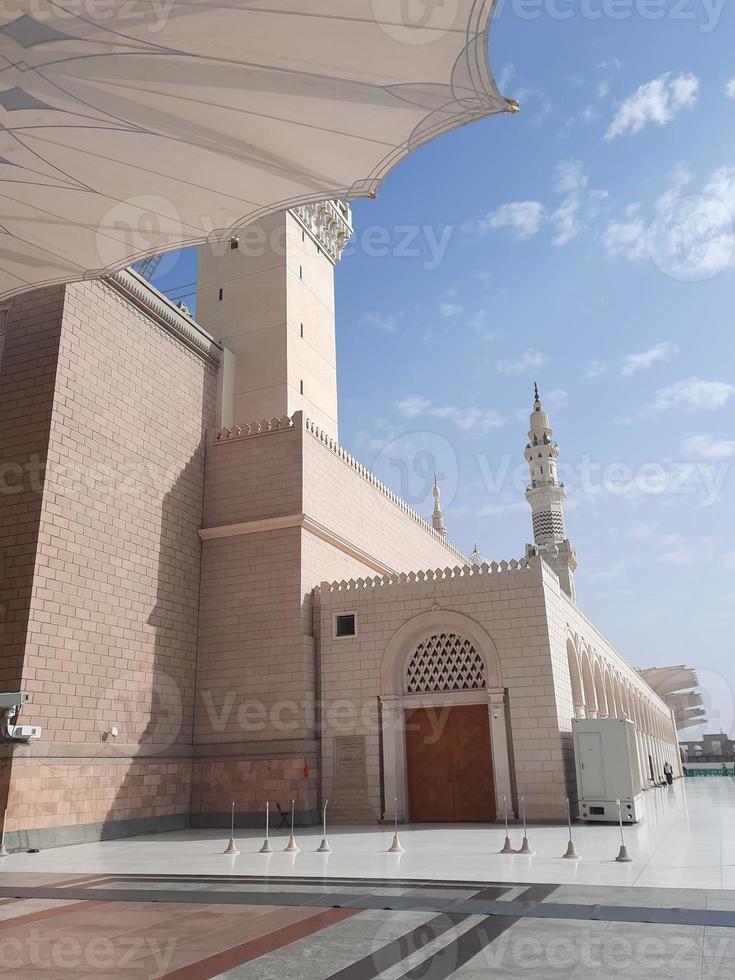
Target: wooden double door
449, 764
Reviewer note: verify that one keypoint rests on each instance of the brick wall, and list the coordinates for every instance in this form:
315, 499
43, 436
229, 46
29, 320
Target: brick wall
111, 636
27, 376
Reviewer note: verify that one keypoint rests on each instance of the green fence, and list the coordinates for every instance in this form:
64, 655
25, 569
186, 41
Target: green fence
722, 771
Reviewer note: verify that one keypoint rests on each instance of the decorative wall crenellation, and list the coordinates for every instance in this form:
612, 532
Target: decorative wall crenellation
431, 575
257, 428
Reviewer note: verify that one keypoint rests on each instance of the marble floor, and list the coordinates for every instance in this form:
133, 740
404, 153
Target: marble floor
685, 841
175, 906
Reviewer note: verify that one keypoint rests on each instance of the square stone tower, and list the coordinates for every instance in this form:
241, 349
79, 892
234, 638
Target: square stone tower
268, 297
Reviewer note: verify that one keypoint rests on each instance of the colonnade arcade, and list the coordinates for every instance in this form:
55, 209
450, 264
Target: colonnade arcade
602, 688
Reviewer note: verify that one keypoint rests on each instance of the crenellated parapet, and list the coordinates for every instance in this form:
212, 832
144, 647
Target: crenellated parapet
431, 575
257, 428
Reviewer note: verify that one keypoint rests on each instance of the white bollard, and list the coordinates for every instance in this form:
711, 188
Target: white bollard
571, 853
623, 856
507, 846
232, 846
395, 847
525, 846
292, 846
266, 848
324, 846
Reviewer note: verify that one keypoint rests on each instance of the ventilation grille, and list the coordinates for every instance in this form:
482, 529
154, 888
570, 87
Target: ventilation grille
445, 662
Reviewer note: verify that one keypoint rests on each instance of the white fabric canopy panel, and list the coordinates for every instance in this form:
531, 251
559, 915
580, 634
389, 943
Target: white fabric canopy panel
132, 127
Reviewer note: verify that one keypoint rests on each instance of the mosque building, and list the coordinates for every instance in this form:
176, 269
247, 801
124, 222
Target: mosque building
207, 599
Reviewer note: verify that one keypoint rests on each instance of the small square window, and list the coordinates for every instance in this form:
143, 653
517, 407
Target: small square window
345, 625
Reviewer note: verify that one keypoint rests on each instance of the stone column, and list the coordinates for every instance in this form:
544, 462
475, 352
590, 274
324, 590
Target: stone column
499, 748
394, 758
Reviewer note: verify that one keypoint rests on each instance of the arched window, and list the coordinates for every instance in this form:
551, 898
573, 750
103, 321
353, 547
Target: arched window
445, 662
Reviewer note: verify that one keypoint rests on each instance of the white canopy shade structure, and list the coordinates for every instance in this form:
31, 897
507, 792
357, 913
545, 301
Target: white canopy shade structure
133, 127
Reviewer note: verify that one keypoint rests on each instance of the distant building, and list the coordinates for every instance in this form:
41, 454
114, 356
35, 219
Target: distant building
710, 748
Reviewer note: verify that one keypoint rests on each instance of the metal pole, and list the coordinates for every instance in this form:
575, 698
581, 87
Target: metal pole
507, 846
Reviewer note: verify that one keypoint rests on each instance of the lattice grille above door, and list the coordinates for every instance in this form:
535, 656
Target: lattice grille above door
445, 662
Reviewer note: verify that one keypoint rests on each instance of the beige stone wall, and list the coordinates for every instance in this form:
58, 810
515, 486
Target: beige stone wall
111, 636
75, 800
27, 376
510, 606
345, 497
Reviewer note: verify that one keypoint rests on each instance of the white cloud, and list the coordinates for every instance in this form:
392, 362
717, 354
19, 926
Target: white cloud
589, 115
451, 309
416, 406
661, 353
627, 238
676, 551
555, 398
730, 89
522, 218
603, 90
730, 561
691, 394
679, 178
386, 434
478, 322
657, 101
529, 359
708, 447
578, 204
506, 75
382, 321
595, 369
691, 235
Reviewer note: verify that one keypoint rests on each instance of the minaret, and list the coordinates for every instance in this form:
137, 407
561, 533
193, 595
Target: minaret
437, 518
546, 497
268, 298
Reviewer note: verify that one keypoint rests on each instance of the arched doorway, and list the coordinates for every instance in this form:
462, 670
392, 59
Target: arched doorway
448, 756
444, 735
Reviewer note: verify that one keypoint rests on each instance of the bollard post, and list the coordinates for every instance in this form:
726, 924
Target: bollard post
571, 853
507, 846
395, 847
266, 848
232, 846
324, 846
525, 846
292, 846
623, 856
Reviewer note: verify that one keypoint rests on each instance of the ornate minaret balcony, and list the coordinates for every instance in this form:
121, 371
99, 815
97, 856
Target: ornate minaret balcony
546, 496
329, 223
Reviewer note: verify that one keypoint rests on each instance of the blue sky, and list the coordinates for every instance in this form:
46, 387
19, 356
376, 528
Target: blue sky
587, 244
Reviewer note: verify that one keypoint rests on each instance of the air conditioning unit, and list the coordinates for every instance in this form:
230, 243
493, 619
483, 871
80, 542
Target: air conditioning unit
24, 733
